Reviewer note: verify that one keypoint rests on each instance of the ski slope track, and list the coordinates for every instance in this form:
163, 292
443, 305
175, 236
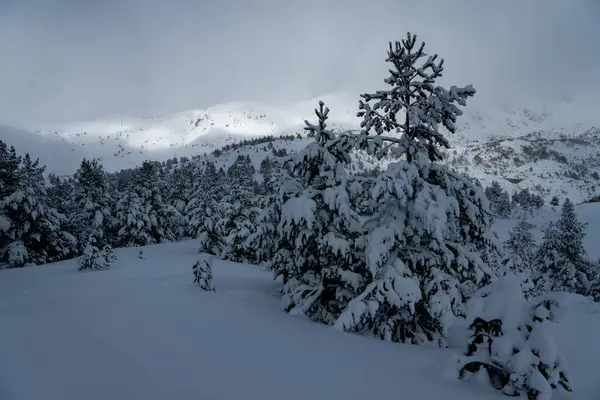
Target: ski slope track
552, 149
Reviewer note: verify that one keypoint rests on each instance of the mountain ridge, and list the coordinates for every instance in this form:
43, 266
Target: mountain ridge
556, 145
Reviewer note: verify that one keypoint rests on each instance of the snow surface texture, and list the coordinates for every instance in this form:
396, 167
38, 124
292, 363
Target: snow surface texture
143, 329
557, 142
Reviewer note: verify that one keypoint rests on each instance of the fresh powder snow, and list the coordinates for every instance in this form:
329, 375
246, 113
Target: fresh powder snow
144, 329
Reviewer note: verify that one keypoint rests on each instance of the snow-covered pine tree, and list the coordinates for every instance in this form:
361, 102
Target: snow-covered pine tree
147, 185
179, 194
203, 273
9, 165
554, 202
36, 234
424, 243
133, 221
320, 253
412, 92
208, 189
510, 340
520, 242
95, 259
239, 210
9, 182
527, 200
93, 207
499, 200
267, 170
204, 211
561, 262
517, 259
262, 242
60, 192
519, 249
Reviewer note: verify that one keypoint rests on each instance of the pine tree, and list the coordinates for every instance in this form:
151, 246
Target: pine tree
179, 194
527, 200
262, 242
518, 258
9, 182
320, 254
499, 200
520, 243
561, 261
239, 210
60, 195
554, 202
148, 187
93, 207
133, 221
412, 92
423, 243
203, 273
204, 211
9, 165
37, 234
207, 191
267, 166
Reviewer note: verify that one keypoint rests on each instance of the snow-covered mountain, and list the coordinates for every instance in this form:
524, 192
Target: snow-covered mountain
553, 148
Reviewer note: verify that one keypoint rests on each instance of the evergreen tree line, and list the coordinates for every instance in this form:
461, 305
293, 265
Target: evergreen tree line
503, 205
51, 218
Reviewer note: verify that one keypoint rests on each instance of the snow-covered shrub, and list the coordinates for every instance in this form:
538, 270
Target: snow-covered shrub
511, 341
94, 258
16, 254
203, 273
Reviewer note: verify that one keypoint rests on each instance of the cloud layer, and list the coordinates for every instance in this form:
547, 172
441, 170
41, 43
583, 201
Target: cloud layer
74, 59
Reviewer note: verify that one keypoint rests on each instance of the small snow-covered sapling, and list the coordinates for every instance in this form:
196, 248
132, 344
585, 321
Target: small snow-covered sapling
203, 273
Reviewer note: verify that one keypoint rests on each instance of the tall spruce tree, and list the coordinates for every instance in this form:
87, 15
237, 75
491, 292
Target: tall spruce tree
205, 213
93, 207
320, 253
179, 194
133, 220
262, 242
561, 261
36, 234
423, 243
520, 243
499, 200
239, 210
148, 187
9, 184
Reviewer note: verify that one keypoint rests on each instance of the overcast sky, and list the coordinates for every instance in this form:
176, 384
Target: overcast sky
73, 59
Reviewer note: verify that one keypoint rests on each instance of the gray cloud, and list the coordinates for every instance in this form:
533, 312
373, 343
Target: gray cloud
71, 59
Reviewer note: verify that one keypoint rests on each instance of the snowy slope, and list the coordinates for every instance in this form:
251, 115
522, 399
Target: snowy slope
143, 330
